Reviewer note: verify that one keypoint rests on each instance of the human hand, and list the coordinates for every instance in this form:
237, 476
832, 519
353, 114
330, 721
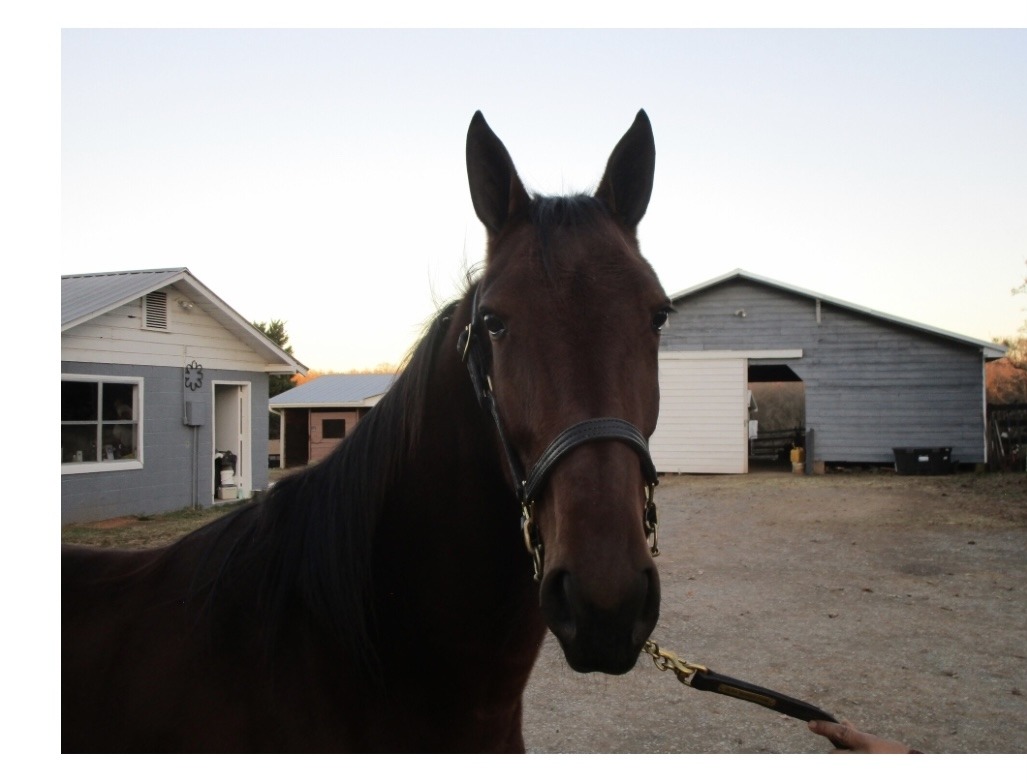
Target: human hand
854, 741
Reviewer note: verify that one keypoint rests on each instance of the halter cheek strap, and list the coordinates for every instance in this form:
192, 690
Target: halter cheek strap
528, 488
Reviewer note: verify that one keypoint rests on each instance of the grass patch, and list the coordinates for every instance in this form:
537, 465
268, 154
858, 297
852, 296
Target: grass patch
143, 531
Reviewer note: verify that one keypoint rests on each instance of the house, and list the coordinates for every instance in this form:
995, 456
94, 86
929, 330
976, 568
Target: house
871, 382
318, 414
160, 380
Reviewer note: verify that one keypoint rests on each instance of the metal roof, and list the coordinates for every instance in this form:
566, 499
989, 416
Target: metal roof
86, 296
991, 350
338, 390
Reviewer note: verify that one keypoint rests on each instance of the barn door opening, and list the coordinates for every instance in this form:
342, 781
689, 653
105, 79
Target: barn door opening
777, 416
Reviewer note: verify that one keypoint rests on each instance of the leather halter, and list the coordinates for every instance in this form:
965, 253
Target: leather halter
528, 488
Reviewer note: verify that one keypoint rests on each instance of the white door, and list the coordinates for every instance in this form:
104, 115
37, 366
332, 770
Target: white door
232, 430
704, 423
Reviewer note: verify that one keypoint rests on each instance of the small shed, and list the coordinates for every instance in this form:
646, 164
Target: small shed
871, 383
318, 415
160, 380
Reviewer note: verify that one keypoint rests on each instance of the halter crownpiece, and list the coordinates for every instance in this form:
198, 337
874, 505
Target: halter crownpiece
528, 489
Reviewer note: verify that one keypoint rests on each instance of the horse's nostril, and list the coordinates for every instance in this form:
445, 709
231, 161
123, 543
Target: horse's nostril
556, 600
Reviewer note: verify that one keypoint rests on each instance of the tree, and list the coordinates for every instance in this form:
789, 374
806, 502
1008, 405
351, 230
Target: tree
275, 331
1017, 353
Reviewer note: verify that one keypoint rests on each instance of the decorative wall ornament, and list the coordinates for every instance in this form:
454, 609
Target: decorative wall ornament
194, 375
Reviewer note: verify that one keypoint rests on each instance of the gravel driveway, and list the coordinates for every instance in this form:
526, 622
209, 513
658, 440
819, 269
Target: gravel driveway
896, 602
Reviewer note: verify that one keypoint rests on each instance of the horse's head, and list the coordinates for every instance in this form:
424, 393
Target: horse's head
567, 317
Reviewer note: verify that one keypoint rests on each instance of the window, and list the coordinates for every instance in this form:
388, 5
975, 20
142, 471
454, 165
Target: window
100, 423
333, 428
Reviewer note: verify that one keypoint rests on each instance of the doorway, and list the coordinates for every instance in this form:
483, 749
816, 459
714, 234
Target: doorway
232, 433
779, 400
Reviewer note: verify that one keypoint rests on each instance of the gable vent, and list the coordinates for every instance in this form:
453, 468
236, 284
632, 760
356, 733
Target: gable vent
155, 310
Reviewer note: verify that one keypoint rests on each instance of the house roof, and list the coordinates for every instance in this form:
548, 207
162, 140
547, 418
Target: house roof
347, 390
86, 296
990, 350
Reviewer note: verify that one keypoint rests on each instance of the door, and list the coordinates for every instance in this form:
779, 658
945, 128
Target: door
704, 419
232, 431
327, 429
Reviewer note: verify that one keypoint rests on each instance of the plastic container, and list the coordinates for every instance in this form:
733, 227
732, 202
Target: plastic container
925, 461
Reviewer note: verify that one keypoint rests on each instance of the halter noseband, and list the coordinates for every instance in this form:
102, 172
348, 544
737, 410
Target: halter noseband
528, 488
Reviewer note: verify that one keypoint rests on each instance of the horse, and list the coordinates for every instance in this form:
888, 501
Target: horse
394, 596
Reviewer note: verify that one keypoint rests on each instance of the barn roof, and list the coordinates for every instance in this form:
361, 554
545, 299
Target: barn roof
344, 390
86, 296
990, 350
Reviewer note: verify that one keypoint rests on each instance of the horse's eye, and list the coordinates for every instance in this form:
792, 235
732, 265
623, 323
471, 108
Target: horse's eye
660, 318
494, 325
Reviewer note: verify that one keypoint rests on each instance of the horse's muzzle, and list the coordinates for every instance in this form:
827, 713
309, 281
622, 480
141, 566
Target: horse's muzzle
604, 639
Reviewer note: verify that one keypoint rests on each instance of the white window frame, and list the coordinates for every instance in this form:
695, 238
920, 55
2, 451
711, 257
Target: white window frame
111, 465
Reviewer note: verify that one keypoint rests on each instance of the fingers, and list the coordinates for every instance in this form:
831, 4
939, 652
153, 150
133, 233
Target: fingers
846, 735
843, 734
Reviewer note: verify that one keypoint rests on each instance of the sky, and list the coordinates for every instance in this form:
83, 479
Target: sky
318, 176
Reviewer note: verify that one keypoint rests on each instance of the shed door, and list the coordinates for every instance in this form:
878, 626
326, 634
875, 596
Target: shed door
703, 426
327, 429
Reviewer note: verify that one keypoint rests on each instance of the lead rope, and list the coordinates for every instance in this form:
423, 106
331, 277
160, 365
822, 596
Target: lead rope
701, 677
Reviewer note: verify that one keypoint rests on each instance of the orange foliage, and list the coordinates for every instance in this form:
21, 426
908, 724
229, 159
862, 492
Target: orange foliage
1006, 382
311, 375
383, 367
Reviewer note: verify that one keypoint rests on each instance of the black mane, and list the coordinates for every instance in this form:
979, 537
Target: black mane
311, 537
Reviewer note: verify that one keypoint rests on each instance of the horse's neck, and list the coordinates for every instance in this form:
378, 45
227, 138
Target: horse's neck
450, 544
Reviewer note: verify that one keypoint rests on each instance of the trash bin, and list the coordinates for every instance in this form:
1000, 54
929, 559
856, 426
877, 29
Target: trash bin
925, 461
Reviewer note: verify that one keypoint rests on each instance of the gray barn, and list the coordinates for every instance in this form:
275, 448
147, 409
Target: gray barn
871, 382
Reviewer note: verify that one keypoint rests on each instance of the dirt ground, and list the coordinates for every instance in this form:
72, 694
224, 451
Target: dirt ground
899, 603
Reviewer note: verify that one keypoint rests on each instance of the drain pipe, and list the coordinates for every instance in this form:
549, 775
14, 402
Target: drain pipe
192, 417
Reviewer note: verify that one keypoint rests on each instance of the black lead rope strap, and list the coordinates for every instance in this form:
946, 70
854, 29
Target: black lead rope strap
700, 677
750, 692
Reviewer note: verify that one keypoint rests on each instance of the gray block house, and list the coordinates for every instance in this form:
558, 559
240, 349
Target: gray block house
162, 383
871, 382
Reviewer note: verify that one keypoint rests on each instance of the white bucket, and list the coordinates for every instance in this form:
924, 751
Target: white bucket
228, 477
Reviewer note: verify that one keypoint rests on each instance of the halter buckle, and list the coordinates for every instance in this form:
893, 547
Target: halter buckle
650, 522
531, 539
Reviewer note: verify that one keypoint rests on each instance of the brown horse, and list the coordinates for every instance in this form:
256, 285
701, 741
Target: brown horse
382, 600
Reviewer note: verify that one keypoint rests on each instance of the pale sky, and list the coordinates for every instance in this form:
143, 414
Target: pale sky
318, 176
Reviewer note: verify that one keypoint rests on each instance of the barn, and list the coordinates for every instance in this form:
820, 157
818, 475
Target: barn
160, 381
318, 414
869, 383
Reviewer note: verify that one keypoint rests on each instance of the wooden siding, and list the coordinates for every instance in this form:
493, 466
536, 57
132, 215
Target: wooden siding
703, 416
871, 384
119, 337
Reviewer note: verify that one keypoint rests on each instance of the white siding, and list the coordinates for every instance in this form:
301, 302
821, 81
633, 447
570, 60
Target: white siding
118, 337
703, 424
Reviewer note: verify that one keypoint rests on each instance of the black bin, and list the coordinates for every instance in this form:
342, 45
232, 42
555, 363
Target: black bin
932, 460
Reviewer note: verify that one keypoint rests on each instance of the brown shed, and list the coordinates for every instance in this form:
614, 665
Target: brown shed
317, 415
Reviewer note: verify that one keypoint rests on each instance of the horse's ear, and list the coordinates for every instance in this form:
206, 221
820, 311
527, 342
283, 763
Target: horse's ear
627, 183
496, 190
